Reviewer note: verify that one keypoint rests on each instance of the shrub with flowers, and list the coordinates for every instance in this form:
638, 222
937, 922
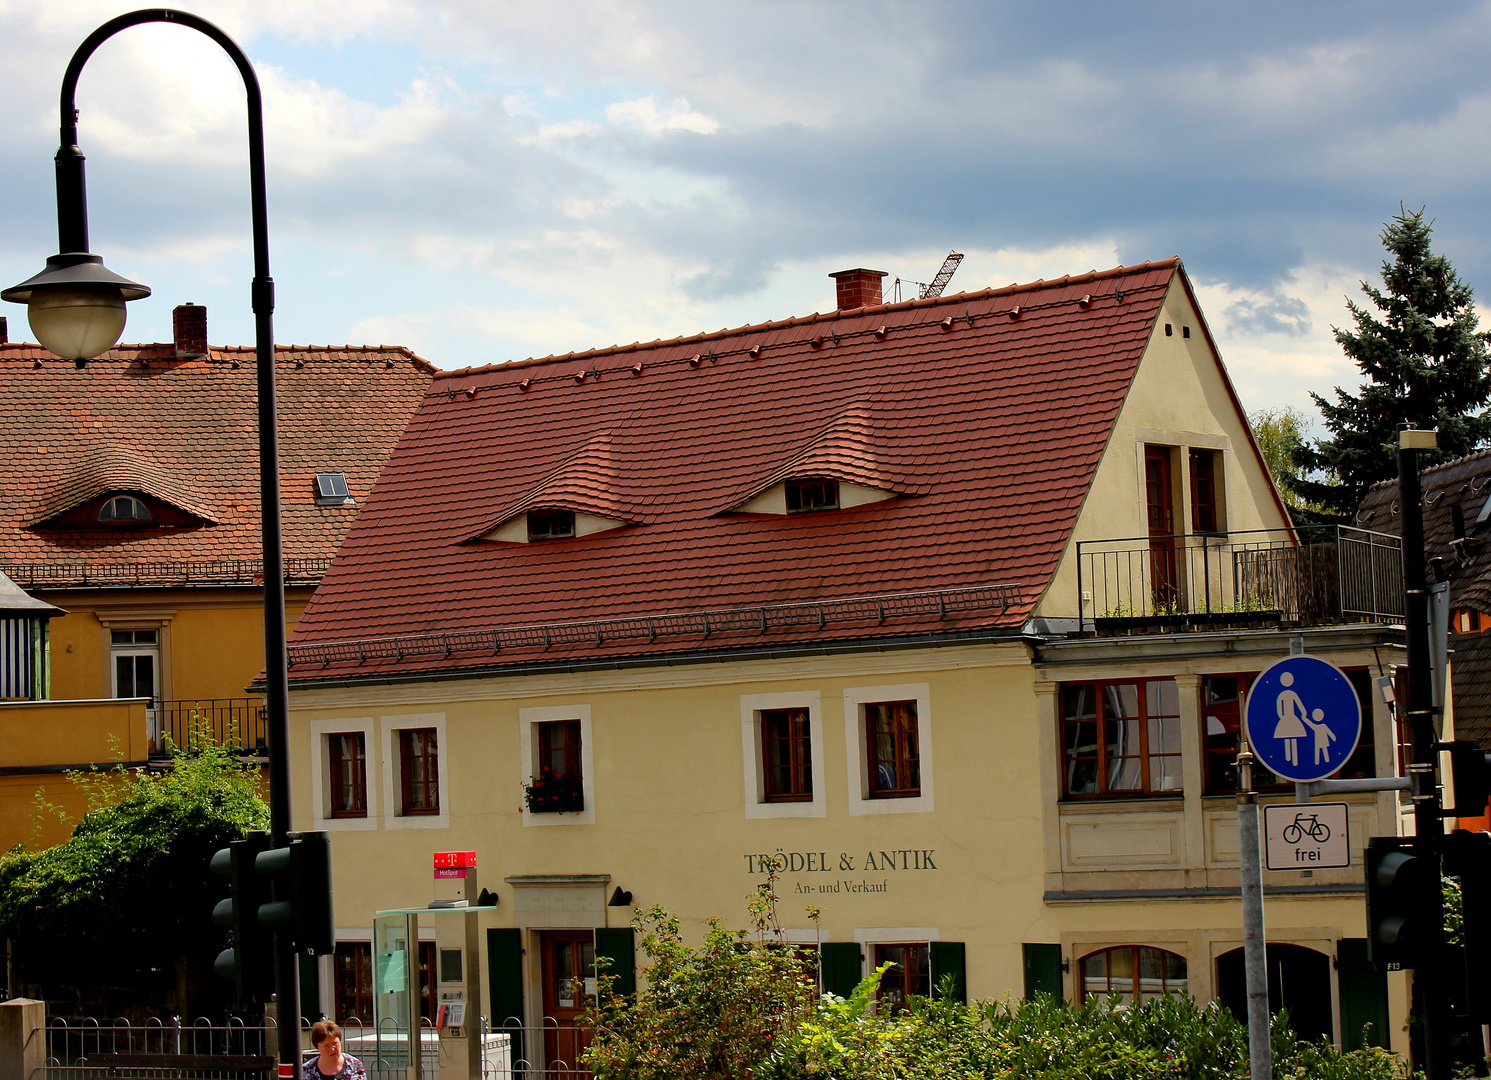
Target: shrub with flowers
552, 792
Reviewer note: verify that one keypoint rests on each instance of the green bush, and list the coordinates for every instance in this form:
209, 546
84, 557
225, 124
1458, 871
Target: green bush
742, 1007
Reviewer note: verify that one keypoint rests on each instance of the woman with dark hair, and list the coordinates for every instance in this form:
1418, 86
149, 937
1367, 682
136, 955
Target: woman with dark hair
329, 1061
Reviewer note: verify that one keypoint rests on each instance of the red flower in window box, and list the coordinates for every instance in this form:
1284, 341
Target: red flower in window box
554, 793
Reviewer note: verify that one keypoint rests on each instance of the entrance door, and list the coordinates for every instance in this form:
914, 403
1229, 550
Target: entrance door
1164, 576
1299, 979
569, 985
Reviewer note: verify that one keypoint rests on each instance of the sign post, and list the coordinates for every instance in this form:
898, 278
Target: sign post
1302, 721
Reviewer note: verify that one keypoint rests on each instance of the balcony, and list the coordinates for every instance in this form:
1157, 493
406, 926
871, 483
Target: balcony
1306, 576
236, 723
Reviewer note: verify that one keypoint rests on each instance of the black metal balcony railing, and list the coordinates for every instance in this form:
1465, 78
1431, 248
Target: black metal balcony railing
236, 723
1306, 575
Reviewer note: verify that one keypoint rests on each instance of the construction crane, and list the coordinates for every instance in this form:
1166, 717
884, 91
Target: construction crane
944, 275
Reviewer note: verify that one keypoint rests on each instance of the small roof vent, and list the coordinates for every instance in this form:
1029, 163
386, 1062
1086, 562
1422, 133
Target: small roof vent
332, 490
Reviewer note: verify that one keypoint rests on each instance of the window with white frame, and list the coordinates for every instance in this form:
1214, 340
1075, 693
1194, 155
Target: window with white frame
556, 756
415, 777
782, 746
344, 767
888, 732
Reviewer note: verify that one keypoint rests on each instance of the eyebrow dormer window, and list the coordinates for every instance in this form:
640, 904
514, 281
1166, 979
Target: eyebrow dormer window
332, 490
550, 524
812, 495
124, 508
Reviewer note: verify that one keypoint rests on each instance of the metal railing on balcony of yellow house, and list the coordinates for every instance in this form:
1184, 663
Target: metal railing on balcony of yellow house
1307, 575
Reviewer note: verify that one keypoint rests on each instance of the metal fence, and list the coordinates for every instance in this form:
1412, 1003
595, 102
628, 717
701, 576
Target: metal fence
1303, 575
236, 723
90, 1049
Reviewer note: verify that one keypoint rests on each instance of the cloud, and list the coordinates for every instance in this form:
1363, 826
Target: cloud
644, 115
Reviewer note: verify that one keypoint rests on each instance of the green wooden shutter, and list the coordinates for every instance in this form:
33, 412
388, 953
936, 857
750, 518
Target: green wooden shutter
839, 962
505, 985
616, 944
1363, 996
1042, 969
947, 958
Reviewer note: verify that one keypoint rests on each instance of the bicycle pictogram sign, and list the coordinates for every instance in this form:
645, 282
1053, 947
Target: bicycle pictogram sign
1309, 836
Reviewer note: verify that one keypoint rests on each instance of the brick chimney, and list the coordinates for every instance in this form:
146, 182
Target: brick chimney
4, 331
189, 321
858, 288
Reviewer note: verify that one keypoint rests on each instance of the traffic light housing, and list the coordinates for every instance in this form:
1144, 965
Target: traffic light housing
248, 961
1471, 769
301, 873
1402, 902
1467, 856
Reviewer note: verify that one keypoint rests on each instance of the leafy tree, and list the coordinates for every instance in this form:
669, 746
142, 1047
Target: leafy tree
1281, 436
1424, 361
119, 916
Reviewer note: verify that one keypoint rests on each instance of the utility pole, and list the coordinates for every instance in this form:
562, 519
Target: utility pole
1428, 825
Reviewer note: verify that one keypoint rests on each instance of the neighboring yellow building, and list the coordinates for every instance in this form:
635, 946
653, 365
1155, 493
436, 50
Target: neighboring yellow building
129, 490
846, 595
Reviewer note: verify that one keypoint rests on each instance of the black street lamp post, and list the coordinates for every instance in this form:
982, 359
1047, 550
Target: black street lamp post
76, 308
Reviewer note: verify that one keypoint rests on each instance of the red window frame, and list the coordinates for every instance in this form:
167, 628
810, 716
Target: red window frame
1137, 958
1140, 718
893, 750
910, 973
419, 772
1203, 491
786, 755
1222, 700
347, 758
559, 748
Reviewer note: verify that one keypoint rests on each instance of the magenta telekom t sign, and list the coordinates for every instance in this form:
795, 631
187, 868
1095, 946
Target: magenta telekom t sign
454, 864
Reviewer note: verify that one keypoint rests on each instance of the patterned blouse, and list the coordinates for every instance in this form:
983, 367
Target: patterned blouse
351, 1070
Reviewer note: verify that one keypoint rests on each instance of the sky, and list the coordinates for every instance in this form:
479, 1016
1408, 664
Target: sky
485, 180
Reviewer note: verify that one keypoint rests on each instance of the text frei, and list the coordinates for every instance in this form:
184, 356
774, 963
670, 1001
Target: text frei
807, 862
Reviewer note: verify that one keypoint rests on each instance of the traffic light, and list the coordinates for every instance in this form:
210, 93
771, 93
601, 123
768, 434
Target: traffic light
248, 961
1472, 777
302, 871
1467, 856
1401, 902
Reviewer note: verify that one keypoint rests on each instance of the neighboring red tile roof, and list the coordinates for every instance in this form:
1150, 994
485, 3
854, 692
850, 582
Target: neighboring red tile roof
990, 420
187, 433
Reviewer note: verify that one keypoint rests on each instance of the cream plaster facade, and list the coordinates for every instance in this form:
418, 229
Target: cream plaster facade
990, 853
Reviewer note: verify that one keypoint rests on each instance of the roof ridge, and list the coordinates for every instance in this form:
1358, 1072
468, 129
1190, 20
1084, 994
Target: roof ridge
1173, 262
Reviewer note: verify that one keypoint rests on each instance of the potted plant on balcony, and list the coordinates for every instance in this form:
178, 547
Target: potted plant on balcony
552, 792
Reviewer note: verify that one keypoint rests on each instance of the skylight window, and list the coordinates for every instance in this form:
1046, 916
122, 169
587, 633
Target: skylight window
813, 494
550, 524
332, 490
124, 508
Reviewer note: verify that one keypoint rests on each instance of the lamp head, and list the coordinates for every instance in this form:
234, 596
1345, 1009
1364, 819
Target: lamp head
76, 305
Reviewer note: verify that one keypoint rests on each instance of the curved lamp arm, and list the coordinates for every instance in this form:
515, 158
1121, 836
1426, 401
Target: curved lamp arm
72, 197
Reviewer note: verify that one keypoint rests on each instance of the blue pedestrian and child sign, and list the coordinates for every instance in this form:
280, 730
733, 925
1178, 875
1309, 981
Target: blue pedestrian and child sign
1303, 718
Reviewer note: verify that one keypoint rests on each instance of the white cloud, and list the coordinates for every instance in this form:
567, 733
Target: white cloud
645, 115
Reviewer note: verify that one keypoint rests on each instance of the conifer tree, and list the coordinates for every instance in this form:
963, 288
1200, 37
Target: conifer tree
1423, 360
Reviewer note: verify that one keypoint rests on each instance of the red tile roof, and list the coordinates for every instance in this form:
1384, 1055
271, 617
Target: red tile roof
986, 412
186, 433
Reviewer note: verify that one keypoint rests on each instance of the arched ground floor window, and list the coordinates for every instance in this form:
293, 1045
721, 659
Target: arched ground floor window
1138, 972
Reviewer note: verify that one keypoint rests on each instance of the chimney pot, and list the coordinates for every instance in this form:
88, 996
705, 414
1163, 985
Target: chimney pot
189, 322
4, 331
858, 287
